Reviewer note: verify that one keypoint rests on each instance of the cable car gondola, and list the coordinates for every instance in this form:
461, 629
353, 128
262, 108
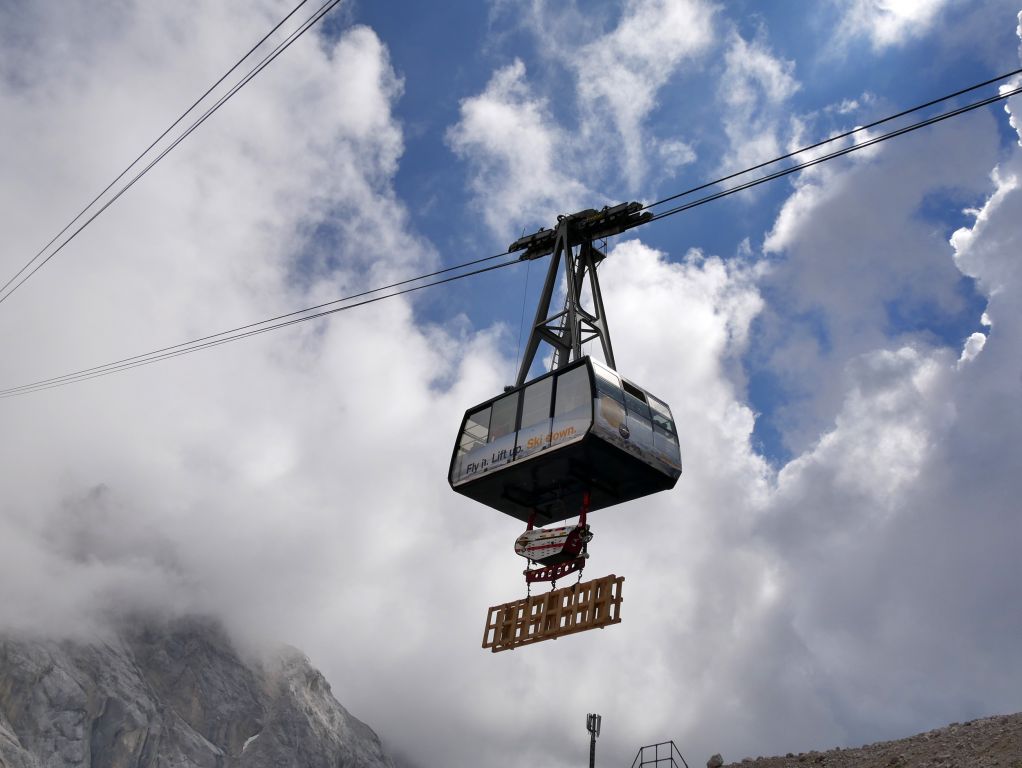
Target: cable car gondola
533, 452
580, 437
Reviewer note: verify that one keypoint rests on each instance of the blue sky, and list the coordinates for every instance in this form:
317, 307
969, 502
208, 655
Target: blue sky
838, 563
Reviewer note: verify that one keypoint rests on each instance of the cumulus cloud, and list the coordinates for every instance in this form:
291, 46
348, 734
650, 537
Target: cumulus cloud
973, 346
900, 515
215, 234
234, 483
890, 529
887, 23
517, 154
856, 252
754, 89
623, 70
674, 154
524, 157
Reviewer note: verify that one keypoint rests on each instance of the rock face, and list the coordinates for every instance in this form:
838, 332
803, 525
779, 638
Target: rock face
175, 696
992, 742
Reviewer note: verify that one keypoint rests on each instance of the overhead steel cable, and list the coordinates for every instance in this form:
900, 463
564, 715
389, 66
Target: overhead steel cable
253, 329
280, 48
272, 324
834, 138
156, 141
838, 153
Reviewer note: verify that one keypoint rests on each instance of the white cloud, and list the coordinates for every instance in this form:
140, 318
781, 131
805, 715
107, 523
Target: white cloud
879, 440
887, 23
754, 89
516, 154
236, 481
901, 516
853, 248
673, 155
893, 528
972, 347
524, 157
969, 245
624, 69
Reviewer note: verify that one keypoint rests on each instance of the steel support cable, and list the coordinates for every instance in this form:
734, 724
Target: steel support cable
75, 378
836, 154
187, 347
232, 333
325, 8
837, 137
156, 141
280, 48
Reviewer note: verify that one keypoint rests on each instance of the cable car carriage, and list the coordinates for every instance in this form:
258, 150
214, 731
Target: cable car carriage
578, 438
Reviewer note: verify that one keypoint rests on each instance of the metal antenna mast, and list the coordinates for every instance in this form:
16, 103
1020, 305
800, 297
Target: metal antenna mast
566, 331
593, 726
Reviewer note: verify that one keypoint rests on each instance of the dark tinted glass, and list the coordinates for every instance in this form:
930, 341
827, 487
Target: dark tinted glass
573, 391
477, 425
662, 421
536, 406
502, 422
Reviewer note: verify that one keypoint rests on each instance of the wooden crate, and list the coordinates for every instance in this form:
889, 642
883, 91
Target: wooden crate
588, 605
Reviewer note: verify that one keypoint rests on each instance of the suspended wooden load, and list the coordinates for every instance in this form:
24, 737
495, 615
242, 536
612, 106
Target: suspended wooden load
588, 605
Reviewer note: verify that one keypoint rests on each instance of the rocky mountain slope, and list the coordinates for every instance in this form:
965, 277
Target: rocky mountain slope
992, 742
177, 696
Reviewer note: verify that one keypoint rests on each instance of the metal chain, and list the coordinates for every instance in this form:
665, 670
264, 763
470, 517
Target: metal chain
585, 554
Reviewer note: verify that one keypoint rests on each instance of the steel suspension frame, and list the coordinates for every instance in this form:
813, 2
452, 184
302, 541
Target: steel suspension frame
574, 325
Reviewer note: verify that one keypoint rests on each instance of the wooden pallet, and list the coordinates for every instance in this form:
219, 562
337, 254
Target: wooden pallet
588, 605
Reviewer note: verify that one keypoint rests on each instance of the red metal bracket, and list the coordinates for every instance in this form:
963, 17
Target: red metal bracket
554, 572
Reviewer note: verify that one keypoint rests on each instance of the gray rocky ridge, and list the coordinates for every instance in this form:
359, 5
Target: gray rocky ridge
173, 696
990, 742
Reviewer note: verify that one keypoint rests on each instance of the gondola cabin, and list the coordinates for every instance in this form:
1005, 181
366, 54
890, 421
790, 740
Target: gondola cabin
540, 446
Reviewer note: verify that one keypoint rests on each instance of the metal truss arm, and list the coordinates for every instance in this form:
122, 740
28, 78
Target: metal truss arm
567, 330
